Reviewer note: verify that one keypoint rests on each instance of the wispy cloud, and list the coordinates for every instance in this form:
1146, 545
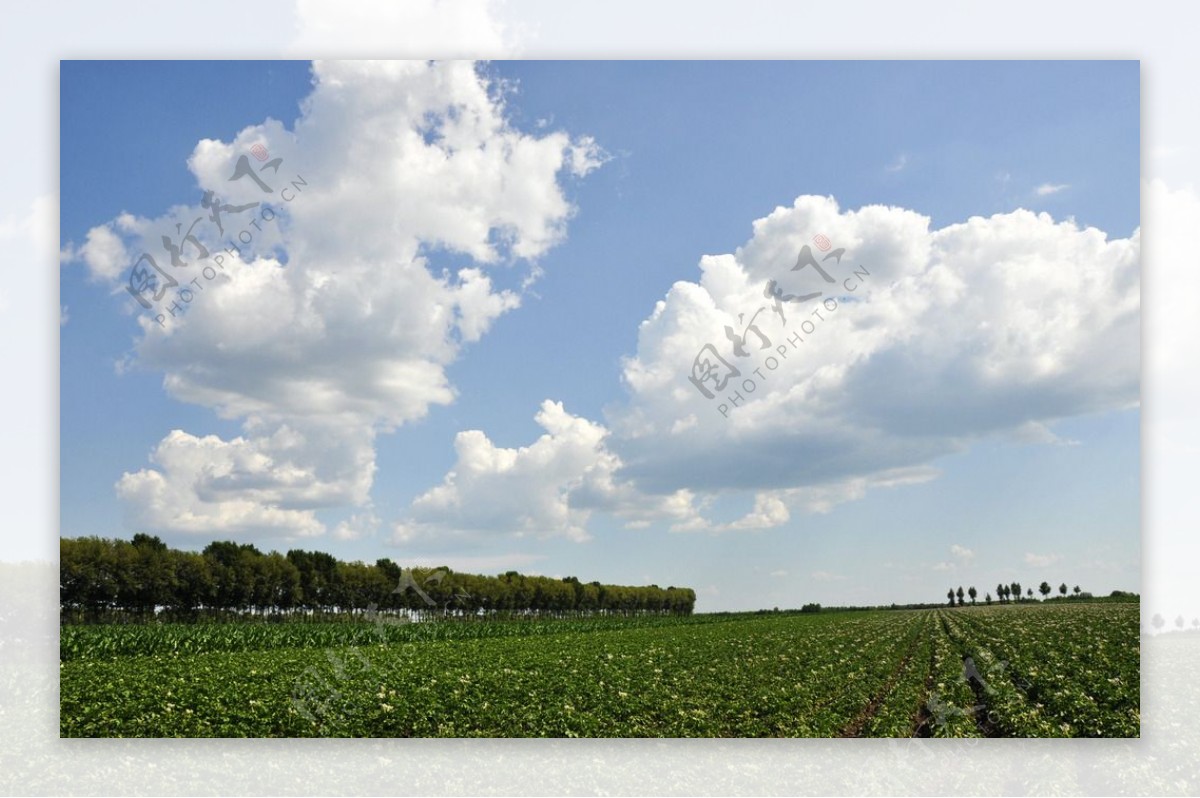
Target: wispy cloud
1035, 432
477, 564
1041, 560
961, 556
357, 526
897, 165
826, 576
1046, 189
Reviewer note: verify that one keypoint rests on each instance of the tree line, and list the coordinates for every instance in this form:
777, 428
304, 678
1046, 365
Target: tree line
1012, 593
102, 579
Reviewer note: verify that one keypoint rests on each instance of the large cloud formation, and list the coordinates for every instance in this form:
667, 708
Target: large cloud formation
327, 324
977, 328
923, 342
331, 326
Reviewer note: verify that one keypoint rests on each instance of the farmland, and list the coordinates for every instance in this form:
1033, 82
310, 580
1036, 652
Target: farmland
1038, 670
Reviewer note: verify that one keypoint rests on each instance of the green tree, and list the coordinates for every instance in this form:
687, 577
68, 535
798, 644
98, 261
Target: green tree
194, 588
389, 570
1045, 589
319, 585
281, 582
75, 574
589, 598
973, 593
1062, 589
99, 576
236, 577
358, 589
103, 571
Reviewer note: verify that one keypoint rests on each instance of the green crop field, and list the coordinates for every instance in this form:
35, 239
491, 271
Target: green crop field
1033, 671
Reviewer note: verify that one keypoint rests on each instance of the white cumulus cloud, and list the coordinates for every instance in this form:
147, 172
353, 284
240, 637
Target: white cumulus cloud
547, 489
332, 320
995, 326
979, 328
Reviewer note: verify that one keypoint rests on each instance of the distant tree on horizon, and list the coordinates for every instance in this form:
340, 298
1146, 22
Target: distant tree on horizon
972, 592
988, 598
1179, 621
1044, 588
1030, 592
1158, 621
959, 593
1062, 589
1077, 591
950, 596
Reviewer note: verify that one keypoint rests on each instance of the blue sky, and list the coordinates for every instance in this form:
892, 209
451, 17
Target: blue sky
1018, 327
